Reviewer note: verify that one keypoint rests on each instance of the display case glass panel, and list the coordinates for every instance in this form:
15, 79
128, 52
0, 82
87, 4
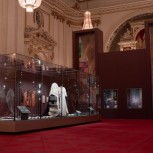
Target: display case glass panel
47, 90
134, 98
110, 98
7, 88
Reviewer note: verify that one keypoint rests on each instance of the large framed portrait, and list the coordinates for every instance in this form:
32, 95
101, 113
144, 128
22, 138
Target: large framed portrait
110, 98
87, 46
134, 98
87, 53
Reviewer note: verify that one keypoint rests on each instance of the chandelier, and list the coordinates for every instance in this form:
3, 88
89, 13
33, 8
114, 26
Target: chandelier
87, 20
30, 5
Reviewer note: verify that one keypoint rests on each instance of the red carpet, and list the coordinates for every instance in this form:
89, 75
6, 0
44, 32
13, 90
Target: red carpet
108, 136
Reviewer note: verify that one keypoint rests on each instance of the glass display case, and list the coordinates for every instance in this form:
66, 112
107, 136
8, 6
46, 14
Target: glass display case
32, 89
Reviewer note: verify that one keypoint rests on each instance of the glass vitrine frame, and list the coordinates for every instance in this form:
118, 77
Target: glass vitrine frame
27, 81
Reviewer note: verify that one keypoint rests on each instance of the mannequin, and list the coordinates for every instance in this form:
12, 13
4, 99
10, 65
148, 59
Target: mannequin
53, 111
57, 101
52, 108
2, 93
10, 100
63, 104
3, 104
54, 91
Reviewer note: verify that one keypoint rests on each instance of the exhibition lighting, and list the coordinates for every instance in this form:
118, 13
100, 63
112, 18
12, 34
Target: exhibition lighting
30, 5
87, 20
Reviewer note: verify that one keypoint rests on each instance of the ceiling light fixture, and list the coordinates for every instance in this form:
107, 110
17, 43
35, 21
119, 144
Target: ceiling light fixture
87, 19
30, 5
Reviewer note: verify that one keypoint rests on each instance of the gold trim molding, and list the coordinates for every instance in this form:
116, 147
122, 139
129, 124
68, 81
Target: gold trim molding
73, 13
39, 43
74, 17
95, 23
58, 16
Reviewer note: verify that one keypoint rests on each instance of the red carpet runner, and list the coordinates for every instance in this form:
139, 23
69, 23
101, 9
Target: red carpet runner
108, 136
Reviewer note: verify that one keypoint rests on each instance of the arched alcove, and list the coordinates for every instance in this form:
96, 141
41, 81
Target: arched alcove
136, 26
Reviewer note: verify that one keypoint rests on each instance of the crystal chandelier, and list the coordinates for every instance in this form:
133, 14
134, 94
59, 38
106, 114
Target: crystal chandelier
87, 20
30, 5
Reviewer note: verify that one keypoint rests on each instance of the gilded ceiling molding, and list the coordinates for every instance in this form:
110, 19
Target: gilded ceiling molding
74, 23
39, 43
95, 22
76, 6
74, 13
74, 17
62, 8
123, 7
58, 16
63, 12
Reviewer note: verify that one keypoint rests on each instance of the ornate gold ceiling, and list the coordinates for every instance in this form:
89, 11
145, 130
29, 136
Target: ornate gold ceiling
75, 14
94, 4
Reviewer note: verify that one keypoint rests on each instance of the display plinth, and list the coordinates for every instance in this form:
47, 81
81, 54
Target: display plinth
31, 125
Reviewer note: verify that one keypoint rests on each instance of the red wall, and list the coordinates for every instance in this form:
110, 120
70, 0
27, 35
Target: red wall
122, 70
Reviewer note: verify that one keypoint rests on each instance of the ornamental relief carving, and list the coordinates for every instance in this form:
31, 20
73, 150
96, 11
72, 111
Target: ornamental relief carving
136, 24
39, 43
58, 16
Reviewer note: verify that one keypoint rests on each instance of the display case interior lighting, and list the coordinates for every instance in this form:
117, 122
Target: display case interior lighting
39, 62
39, 85
4, 86
30, 5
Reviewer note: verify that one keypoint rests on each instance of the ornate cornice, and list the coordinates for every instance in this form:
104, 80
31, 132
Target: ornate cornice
71, 12
58, 16
123, 7
76, 23
72, 16
95, 22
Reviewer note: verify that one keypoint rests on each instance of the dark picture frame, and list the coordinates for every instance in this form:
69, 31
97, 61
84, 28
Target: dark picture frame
134, 98
110, 98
